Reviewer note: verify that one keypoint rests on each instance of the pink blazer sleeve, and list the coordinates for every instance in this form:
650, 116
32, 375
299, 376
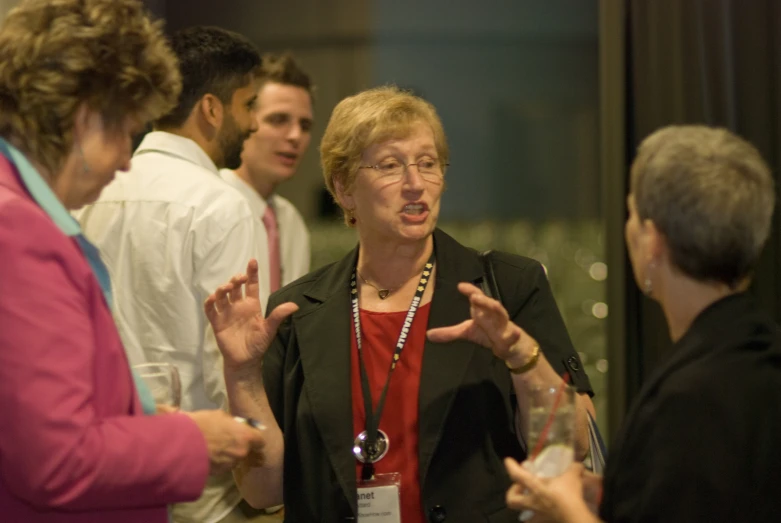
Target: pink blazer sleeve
70, 438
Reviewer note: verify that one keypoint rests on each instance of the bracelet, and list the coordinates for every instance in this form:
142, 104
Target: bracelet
529, 365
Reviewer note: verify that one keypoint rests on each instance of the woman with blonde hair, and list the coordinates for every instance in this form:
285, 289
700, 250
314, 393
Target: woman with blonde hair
77, 79
393, 373
701, 442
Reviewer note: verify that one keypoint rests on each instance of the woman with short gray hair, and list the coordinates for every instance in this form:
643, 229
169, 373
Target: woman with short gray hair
701, 441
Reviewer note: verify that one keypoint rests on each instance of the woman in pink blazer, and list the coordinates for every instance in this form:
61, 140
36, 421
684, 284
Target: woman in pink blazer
77, 79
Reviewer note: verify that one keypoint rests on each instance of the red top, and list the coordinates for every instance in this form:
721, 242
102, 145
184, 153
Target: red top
380, 331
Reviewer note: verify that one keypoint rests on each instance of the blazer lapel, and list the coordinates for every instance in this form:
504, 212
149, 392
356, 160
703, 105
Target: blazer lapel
444, 364
323, 335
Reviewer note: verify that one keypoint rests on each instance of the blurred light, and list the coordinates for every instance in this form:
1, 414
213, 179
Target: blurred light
598, 271
588, 307
545, 268
602, 366
584, 257
599, 310
583, 357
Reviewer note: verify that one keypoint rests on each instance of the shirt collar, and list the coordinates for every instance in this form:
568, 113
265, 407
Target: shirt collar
257, 203
40, 190
178, 146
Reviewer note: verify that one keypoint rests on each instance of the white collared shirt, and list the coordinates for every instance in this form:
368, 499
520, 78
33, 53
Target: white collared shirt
294, 243
171, 231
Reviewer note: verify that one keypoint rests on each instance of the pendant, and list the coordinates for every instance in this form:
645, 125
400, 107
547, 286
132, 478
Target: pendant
383, 293
363, 452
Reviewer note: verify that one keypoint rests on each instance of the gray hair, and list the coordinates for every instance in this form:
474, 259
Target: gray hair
711, 194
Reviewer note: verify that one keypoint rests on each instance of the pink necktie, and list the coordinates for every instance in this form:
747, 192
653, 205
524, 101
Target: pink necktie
272, 232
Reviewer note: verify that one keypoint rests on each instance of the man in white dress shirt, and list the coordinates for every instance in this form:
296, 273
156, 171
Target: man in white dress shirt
171, 230
271, 156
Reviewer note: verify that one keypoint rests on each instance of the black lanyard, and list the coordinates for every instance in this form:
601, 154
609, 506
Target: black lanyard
373, 418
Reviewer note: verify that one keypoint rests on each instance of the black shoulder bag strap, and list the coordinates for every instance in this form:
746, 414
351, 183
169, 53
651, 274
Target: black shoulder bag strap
491, 289
489, 286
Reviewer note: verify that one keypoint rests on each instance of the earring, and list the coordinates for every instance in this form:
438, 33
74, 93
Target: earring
351, 221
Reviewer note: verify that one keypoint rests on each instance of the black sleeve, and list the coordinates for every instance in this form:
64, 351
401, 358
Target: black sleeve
529, 300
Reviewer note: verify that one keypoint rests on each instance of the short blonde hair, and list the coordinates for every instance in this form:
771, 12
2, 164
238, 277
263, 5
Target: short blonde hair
711, 195
368, 118
56, 55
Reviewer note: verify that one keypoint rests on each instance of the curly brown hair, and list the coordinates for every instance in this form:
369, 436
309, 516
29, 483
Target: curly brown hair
56, 55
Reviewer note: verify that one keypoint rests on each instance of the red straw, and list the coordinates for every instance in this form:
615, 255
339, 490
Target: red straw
546, 428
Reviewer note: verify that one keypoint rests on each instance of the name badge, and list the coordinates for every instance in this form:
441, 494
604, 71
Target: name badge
379, 500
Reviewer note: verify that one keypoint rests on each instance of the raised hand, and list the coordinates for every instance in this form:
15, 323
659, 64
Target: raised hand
489, 326
234, 311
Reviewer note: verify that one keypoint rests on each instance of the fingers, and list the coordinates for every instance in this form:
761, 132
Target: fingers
488, 310
222, 301
454, 332
518, 496
236, 293
278, 315
254, 438
514, 469
253, 285
521, 475
209, 309
251, 451
492, 318
231, 292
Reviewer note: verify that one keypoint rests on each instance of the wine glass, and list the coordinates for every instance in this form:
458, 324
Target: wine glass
162, 380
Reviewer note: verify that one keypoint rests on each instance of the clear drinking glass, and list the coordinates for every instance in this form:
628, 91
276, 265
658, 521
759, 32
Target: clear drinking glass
551, 437
163, 382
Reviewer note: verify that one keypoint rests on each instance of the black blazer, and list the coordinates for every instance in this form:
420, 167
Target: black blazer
465, 413
702, 442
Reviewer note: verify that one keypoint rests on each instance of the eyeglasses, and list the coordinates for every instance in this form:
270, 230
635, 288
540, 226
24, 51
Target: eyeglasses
393, 170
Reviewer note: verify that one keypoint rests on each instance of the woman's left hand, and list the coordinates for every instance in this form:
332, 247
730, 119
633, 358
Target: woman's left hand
489, 326
558, 499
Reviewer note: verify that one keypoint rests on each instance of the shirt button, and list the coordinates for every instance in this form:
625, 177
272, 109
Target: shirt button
437, 514
573, 363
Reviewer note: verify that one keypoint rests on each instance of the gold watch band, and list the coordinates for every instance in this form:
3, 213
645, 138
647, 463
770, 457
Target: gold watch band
529, 365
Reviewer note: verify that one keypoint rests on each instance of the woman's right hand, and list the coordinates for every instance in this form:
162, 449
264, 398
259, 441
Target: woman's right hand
229, 442
234, 311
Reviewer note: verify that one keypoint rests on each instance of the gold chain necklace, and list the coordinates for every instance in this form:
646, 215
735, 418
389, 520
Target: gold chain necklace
382, 293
